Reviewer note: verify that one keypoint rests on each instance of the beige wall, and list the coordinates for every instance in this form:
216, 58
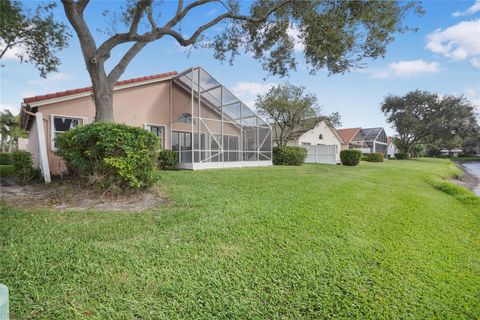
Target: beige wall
32, 145
135, 106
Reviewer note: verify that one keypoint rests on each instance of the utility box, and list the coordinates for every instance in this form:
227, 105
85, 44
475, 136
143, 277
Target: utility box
4, 314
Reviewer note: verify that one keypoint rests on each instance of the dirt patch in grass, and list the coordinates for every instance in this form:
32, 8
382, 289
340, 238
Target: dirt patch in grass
75, 194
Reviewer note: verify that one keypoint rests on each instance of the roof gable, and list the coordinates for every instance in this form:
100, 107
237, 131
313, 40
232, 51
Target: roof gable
347, 134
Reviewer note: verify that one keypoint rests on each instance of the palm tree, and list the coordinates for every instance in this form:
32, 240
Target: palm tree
7, 122
15, 133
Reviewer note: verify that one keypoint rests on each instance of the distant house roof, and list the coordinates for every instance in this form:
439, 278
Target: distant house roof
347, 134
370, 134
88, 89
305, 126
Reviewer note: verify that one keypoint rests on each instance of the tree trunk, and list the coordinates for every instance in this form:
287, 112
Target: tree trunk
10, 143
103, 97
102, 92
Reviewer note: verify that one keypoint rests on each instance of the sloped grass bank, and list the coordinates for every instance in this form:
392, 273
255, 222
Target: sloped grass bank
376, 241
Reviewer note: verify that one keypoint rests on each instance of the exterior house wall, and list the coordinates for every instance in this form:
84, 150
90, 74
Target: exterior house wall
32, 145
135, 106
312, 137
391, 150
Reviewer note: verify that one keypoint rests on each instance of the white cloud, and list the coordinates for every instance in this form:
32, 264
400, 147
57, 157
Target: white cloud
11, 54
406, 69
475, 62
473, 96
247, 91
471, 10
5, 106
294, 33
54, 77
458, 42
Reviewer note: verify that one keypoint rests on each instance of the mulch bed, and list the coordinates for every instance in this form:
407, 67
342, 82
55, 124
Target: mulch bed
75, 194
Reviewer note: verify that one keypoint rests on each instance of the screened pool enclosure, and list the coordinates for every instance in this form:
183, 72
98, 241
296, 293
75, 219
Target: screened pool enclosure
211, 128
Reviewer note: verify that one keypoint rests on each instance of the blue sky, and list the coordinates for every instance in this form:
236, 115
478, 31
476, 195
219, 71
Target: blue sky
443, 57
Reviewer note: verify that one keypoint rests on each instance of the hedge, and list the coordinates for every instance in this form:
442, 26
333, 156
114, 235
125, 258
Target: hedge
350, 157
5, 158
402, 155
167, 159
110, 154
289, 156
22, 161
375, 157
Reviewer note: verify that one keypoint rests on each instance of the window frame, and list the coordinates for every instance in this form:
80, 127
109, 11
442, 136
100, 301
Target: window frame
164, 128
52, 127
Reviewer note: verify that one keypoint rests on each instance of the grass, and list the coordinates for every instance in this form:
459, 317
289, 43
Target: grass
6, 170
381, 240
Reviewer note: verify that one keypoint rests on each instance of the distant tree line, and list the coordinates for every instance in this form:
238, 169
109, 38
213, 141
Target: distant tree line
10, 131
427, 122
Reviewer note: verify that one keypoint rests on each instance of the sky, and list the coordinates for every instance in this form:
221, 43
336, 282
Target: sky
442, 57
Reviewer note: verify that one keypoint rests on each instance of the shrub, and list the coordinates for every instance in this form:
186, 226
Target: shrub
22, 161
402, 155
5, 158
113, 155
364, 157
289, 156
167, 159
375, 157
350, 157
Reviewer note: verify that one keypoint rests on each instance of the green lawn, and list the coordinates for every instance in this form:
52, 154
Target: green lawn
383, 240
6, 170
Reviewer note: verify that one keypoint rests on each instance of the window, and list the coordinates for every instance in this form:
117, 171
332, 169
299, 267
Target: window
159, 131
320, 136
61, 124
185, 118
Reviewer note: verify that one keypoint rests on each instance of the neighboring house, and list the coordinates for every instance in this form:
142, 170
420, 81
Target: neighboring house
347, 135
367, 140
319, 138
191, 112
391, 148
450, 152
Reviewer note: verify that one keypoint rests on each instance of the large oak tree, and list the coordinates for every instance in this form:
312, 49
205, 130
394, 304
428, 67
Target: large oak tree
336, 35
421, 117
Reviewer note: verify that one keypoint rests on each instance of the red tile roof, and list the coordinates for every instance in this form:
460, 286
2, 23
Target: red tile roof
347, 134
87, 89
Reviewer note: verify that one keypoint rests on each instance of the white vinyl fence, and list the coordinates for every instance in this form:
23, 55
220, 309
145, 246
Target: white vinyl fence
321, 154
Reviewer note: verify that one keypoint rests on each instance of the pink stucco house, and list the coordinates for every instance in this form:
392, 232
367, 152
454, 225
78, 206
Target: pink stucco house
191, 112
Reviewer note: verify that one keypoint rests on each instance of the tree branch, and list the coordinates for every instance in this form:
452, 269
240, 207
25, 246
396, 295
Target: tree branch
119, 38
137, 16
118, 70
82, 4
75, 16
150, 18
182, 13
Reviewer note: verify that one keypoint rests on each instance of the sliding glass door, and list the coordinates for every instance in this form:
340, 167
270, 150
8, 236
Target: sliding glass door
182, 145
